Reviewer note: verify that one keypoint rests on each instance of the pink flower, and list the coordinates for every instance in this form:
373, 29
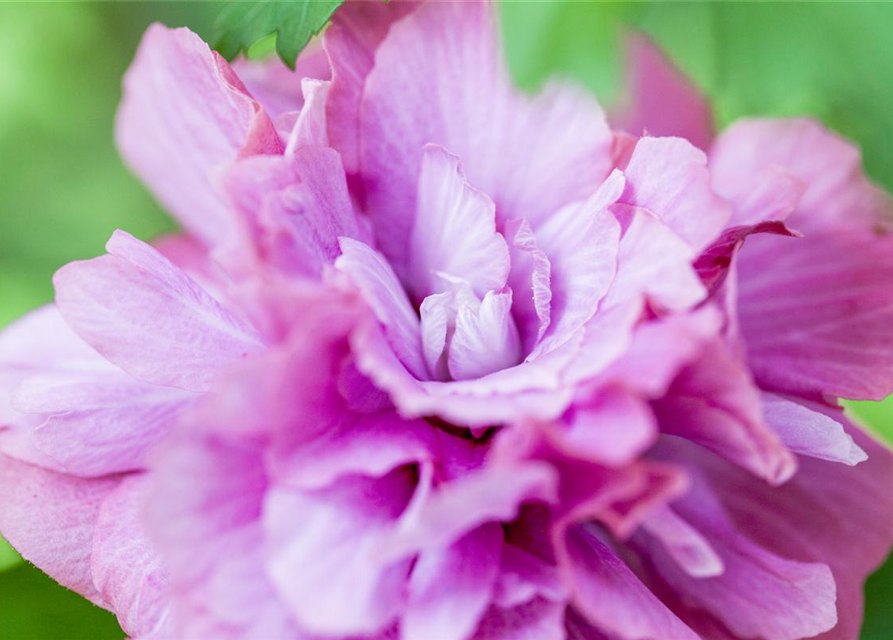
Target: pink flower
439, 360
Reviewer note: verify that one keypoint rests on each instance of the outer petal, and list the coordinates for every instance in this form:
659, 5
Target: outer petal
713, 402
98, 423
816, 313
809, 432
292, 210
127, 570
439, 77
793, 599
837, 194
660, 100
455, 230
50, 519
610, 595
827, 513
185, 114
451, 588
38, 343
669, 177
144, 314
330, 537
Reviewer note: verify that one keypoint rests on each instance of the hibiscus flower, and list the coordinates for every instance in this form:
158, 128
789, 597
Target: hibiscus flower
438, 360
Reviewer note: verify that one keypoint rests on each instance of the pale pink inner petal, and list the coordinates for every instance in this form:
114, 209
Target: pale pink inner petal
581, 241
454, 231
530, 280
371, 273
486, 338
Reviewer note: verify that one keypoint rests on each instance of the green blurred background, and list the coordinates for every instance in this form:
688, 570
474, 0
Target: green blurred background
63, 189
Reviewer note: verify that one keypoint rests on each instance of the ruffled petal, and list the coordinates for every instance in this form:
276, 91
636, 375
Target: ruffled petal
669, 177
148, 317
331, 537
371, 273
609, 594
759, 593
655, 262
836, 194
486, 339
828, 513
530, 281
581, 241
454, 231
451, 588
292, 210
185, 114
439, 77
714, 402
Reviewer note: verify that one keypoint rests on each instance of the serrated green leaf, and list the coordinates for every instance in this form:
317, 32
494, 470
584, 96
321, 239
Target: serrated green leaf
294, 22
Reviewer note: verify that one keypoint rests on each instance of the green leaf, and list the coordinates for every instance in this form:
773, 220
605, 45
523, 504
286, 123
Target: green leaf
293, 22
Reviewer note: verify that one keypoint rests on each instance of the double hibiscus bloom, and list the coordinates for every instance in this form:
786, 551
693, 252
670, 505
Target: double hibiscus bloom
437, 360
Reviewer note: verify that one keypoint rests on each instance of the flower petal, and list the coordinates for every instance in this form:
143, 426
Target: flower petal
50, 519
837, 194
816, 313
148, 317
454, 231
98, 423
581, 241
714, 402
127, 569
660, 100
669, 177
809, 432
654, 261
373, 276
331, 537
610, 595
184, 115
439, 77
292, 210
486, 339
530, 281
451, 588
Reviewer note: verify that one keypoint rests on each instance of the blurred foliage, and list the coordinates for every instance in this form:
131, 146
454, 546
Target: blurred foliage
8, 557
64, 189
